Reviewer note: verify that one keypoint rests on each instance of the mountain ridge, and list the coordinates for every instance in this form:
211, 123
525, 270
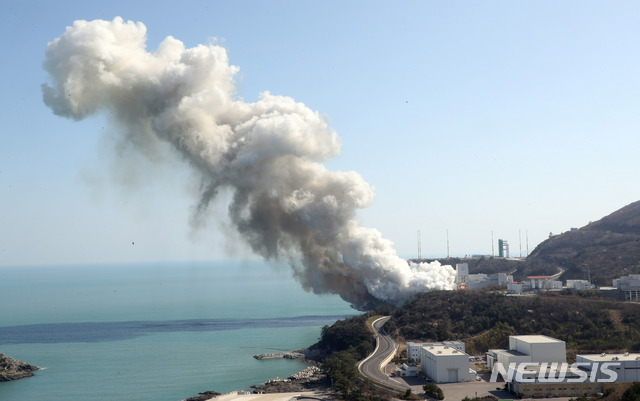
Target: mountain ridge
600, 251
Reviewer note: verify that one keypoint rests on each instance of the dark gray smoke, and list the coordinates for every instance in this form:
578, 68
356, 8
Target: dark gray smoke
269, 154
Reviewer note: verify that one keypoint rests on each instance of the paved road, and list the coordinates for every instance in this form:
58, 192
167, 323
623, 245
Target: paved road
373, 367
558, 274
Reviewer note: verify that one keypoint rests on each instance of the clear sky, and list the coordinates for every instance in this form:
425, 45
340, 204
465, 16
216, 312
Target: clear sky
471, 117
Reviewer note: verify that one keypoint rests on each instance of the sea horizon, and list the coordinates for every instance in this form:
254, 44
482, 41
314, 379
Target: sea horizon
155, 331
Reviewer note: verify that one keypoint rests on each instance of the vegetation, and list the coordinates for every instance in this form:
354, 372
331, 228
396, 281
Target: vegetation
484, 320
433, 391
348, 341
632, 393
407, 395
603, 250
348, 334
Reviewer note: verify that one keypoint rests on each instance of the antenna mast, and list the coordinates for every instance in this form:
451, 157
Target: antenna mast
419, 247
520, 240
447, 243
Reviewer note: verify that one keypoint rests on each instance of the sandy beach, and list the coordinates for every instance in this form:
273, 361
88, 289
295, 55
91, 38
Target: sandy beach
241, 396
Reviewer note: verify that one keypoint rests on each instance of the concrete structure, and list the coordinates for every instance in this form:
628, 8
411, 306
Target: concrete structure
540, 348
545, 379
465, 281
505, 358
628, 369
630, 286
544, 283
407, 370
445, 364
462, 275
514, 287
594, 380
414, 350
563, 388
533, 348
480, 280
579, 285
503, 248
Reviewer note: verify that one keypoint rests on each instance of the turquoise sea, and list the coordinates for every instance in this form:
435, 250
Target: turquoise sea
154, 331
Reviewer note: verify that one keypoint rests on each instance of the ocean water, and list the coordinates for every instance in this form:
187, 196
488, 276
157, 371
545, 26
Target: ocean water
155, 331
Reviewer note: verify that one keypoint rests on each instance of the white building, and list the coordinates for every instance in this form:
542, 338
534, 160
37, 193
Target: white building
579, 285
630, 286
544, 283
550, 380
533, 348
465, 281
627, 366
407, 370
540, 348
514, 287
445, 364
414, 350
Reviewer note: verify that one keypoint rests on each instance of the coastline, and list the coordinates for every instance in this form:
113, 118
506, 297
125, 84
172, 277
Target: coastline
309, 383
246, 396
13, 369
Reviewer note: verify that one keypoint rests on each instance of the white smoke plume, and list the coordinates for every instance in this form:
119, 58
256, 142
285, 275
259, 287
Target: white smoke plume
269, 154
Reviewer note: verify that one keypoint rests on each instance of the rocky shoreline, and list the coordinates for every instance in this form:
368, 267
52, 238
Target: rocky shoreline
309, 379
204, 396
13, 369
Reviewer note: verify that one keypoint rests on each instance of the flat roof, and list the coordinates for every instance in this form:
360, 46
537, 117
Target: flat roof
511, 352
611, 357
438, 343
537, 338
537, 277
441, 350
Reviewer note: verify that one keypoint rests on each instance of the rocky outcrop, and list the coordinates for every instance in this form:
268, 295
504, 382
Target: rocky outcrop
278, 355
204, 396
13, 369
310, 378
310, 354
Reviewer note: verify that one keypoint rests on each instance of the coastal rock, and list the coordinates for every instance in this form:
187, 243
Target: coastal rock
278, 355
310, 378
310, 354
204, 396
13, 369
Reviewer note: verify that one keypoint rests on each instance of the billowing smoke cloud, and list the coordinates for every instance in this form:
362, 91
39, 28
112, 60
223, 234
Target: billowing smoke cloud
269, 154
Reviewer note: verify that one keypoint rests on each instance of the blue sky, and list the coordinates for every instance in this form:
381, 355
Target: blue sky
465, 116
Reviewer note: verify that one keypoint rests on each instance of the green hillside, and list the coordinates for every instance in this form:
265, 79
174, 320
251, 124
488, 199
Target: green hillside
485, 319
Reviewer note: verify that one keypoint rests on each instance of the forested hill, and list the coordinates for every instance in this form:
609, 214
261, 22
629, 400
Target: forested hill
484, 320
604, 249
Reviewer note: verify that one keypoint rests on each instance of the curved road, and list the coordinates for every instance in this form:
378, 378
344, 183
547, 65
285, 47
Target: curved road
372, 367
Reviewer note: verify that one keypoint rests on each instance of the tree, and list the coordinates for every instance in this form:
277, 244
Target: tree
632, 393
433, 391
